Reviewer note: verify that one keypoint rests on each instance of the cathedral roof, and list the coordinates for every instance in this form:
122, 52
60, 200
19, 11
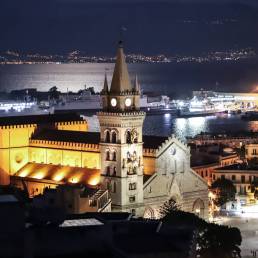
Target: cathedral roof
137, 87
121, 80
59, 173
67, 136
149, 141
153, 142
105, 87
39, 119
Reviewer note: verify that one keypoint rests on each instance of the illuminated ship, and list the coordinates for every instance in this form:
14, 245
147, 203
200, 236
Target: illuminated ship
14, 108
199, 107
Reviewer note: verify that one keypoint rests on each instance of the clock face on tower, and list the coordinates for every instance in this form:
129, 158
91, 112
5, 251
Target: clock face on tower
113, 102
128, 102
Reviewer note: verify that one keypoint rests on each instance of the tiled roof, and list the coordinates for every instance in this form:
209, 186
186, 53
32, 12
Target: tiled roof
67, 136
151, 142
120, 81
59, 173
39, 119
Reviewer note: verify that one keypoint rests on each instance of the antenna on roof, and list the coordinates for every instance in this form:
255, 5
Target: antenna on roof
121, 35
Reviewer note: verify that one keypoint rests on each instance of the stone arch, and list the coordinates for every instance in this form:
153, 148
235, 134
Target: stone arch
128, 137
114, 155
114, 137
114, 171
107, 154
198, 208
107, 136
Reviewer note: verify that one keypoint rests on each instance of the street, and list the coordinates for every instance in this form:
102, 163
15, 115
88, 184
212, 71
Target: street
247, 222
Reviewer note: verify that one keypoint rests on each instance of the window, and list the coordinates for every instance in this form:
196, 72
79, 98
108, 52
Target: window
113, 137
233, 178
242, 179
108, 170
250, 179
254, 151
114, 156
132, 199
206, 173
107, 136
114, 171
222, 176
128, 137
214, 177
132, 186
107, 155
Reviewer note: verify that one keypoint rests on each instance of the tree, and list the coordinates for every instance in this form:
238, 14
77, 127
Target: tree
219, 241
224, 190
168, 206
54, 93
211, 240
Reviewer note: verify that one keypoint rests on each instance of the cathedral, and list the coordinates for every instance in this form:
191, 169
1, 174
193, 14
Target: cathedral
140, 172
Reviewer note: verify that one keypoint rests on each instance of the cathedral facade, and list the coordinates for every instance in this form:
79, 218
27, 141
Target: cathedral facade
140, 172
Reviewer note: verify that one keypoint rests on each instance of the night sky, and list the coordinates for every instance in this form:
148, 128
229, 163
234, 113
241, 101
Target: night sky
153, 27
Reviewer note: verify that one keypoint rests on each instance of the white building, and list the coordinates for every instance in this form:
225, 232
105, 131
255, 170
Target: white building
141, 184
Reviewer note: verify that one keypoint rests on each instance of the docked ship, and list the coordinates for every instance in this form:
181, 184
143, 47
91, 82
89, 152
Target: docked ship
14, 108
199, 106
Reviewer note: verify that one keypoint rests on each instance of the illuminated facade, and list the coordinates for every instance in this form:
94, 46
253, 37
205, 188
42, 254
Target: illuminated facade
140, 172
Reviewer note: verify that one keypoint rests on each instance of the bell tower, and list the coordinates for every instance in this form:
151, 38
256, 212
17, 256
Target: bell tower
121, 123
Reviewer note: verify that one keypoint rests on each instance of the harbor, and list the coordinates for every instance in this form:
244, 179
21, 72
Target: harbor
202, 103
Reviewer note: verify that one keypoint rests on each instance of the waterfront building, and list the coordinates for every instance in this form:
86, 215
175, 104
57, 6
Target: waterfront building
243, 177
233, 140
206, 158
140, 172
251, 150
231, 100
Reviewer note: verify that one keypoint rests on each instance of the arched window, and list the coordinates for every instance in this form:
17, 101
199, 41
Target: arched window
107, 138
128, 137
108, 170
114, 171
129, 158
113, 137
107, 155
114, 155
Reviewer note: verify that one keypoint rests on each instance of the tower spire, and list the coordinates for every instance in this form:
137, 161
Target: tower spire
105, 87
120, 81
137, 87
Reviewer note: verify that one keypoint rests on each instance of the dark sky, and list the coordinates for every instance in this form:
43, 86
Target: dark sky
153, 27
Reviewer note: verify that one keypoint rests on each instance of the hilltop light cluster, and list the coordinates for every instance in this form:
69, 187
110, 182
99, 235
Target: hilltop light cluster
12, 57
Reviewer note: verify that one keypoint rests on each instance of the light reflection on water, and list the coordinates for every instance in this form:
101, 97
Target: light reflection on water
167, 124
